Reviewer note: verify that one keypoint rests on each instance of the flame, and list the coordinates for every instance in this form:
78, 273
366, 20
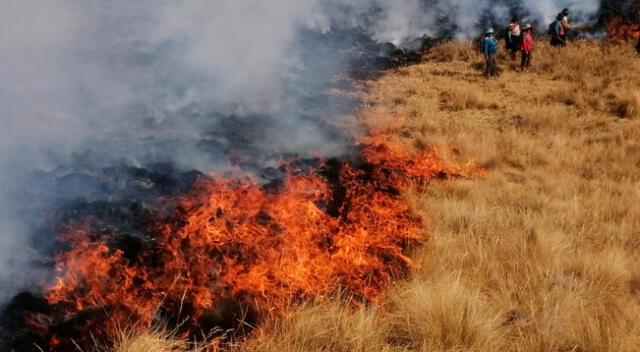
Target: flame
318, 234
619, 32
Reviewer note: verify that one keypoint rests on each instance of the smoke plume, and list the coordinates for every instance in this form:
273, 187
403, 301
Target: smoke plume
90, 84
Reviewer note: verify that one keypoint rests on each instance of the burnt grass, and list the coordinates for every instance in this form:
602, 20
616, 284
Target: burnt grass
124, 201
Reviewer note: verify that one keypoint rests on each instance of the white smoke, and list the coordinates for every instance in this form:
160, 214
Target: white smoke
546, 10
102, 75
402, 21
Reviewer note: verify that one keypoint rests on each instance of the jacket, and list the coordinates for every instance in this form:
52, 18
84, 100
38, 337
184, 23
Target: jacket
558, 29
490, 46
526, 43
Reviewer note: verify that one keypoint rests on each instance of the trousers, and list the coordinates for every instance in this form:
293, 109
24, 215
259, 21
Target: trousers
492, 67
526, 59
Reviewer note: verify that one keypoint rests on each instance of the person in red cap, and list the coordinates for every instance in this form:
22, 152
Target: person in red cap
526, 46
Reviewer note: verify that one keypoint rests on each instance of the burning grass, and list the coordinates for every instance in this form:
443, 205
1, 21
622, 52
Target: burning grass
620, 32
542, 253
539, 255
235, 252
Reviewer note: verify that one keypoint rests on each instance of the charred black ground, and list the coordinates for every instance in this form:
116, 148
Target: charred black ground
130, 226
122, 200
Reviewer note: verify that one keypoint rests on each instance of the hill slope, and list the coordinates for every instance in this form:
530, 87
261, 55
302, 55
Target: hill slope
539, 255
542, 254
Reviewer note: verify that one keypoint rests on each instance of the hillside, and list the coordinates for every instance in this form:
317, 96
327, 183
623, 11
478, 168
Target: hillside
541, 254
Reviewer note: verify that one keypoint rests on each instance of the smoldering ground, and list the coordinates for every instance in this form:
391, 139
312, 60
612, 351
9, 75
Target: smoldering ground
88, 85
168, 87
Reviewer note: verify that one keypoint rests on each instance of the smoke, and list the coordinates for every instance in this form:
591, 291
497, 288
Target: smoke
90, 83
400, 22
134, 83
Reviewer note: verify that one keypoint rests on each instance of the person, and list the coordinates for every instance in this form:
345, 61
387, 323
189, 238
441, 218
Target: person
565, 26
558, 35
490, 50
526, 46
512, 37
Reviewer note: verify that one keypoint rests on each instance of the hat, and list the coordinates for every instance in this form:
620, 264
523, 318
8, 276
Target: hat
489, 31
527, 27
565, 11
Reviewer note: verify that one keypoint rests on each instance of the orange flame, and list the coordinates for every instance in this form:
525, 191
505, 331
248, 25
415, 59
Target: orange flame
619, 32
267, 247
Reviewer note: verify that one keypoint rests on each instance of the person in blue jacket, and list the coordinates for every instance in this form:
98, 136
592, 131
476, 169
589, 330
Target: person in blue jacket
490, 50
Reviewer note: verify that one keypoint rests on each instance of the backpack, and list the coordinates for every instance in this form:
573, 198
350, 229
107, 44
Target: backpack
552, 28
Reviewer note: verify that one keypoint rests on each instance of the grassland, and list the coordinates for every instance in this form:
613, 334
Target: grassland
543, 254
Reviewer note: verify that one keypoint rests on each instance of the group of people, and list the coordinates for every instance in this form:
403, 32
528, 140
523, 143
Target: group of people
517, 39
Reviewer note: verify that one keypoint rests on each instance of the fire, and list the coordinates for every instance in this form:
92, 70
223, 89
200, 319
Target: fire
330, 228
619, 32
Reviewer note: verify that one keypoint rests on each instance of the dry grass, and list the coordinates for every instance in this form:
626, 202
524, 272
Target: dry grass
550, 240
441, 314
542, 254
156, 341
333, 327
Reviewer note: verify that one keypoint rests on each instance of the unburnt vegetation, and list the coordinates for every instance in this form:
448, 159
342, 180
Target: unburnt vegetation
541, 253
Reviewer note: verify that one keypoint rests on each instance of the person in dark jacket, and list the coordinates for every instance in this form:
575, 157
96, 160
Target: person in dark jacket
490, 48
565, 25
558, 33
512, 37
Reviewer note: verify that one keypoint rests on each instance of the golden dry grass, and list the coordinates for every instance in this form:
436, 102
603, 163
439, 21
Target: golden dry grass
158, 339
540, 255
155, 341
